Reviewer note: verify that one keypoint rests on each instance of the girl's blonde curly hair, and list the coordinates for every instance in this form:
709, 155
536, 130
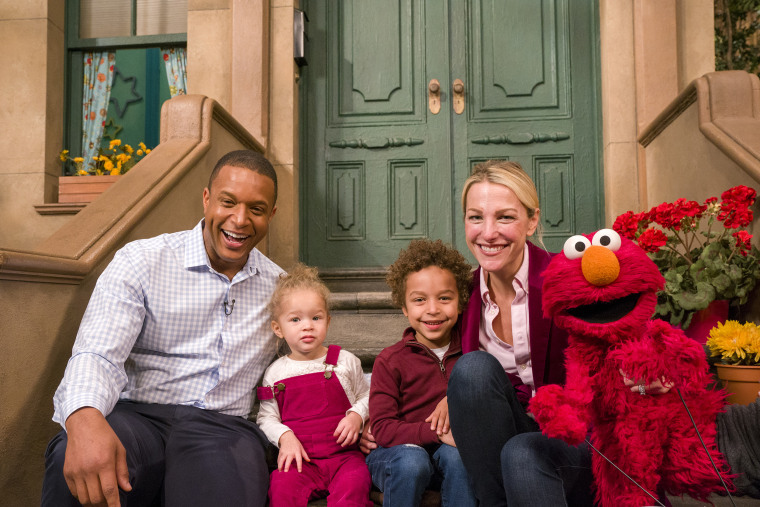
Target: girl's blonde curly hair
300, 277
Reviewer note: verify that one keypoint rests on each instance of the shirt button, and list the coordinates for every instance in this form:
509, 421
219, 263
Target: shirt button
523, 366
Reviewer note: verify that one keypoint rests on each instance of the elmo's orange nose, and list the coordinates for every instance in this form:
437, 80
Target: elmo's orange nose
600, 266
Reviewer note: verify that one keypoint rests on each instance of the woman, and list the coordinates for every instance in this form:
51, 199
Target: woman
510, 351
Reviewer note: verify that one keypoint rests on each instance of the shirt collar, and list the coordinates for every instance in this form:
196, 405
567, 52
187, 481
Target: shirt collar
196, 255
521, 277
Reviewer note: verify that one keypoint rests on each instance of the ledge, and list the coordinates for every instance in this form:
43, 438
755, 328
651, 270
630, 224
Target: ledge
56, 208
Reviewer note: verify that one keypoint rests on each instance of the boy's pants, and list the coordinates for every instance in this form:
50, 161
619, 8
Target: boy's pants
403, 472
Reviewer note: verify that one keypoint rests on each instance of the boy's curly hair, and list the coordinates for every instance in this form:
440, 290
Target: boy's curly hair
300, 277
421, 254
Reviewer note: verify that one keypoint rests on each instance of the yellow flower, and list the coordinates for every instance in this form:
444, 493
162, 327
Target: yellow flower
107, 164
142, 146
140, 153
64, 156
128, 149
78, 160
735, 343
114, 142
82, 172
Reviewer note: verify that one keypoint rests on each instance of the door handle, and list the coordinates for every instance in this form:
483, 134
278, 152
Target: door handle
458, 89
434, 96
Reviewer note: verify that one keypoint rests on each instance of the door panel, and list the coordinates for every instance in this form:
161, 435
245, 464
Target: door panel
525, 102
518, 62
377, 176
379, 169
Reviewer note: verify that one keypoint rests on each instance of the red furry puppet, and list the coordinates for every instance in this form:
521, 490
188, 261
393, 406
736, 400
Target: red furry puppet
603, 291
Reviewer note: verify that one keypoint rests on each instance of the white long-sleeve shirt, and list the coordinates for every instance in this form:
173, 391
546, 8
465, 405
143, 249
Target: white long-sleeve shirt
156, 331
349, 373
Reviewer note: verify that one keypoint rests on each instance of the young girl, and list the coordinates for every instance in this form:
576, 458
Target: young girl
313, 403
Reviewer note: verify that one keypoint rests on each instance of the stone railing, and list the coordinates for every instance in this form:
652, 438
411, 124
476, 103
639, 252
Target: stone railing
43, 293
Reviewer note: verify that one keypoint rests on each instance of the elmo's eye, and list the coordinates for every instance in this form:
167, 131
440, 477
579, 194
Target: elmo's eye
607, 238
575, 246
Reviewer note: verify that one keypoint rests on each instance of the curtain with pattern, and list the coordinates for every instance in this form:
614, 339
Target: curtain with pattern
98, 76
175, 60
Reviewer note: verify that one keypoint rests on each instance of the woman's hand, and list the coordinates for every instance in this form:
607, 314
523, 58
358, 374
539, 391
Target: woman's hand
348, 429
290, 449
439, 419
659, 386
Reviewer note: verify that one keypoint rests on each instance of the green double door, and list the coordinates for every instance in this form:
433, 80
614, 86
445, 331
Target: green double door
401, 98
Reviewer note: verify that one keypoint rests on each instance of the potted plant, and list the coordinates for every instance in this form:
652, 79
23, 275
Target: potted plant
101, 172
702, 250
735, 351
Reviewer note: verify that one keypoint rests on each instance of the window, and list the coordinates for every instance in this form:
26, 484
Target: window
130, 34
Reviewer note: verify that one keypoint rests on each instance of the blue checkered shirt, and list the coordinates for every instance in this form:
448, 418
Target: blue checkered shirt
156, 331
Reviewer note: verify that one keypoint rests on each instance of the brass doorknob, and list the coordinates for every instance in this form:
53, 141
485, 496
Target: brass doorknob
434, 96
458, 102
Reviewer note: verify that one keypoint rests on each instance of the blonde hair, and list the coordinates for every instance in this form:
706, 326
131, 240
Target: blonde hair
511, 175
300, 277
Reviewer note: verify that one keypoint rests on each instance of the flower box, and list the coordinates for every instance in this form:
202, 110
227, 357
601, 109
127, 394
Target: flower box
77, 189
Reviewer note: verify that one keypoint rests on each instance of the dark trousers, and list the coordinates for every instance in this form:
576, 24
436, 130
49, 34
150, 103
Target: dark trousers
177, 456
507, 459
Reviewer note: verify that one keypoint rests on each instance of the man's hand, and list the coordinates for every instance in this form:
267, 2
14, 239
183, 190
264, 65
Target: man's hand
348, 429
439, 419
367, 442
95, 466
290, 449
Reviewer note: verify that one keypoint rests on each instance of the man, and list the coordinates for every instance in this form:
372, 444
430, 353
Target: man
175, 337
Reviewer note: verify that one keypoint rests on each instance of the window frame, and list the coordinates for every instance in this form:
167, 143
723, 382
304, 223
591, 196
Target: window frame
75, 47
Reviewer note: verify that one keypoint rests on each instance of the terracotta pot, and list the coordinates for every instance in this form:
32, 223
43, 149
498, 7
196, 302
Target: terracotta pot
704, 320
741, 382
83, 188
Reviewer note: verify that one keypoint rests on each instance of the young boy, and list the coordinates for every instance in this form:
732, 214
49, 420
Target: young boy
407, 404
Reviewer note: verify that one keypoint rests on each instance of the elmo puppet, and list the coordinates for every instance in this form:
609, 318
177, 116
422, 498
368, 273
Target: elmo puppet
603, 290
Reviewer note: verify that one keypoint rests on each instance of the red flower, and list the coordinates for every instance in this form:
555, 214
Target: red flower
711, 200
689, 208
734, 218
743, 241
739, 196
666, 215
166, 57
652, 240
626, 225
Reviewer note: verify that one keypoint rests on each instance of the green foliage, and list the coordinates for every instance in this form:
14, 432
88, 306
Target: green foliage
737, 23
716, 273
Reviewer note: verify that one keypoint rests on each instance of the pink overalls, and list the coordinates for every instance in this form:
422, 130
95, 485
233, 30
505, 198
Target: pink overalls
312, 405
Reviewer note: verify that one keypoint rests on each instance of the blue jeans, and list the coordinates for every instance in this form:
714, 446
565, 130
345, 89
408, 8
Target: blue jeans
538, 470
403, 472
485, 417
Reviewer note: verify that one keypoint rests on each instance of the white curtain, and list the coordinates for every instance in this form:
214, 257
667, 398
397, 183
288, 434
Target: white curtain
175, 60
98, 76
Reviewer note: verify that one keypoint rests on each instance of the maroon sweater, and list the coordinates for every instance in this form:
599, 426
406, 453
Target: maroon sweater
407, 383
